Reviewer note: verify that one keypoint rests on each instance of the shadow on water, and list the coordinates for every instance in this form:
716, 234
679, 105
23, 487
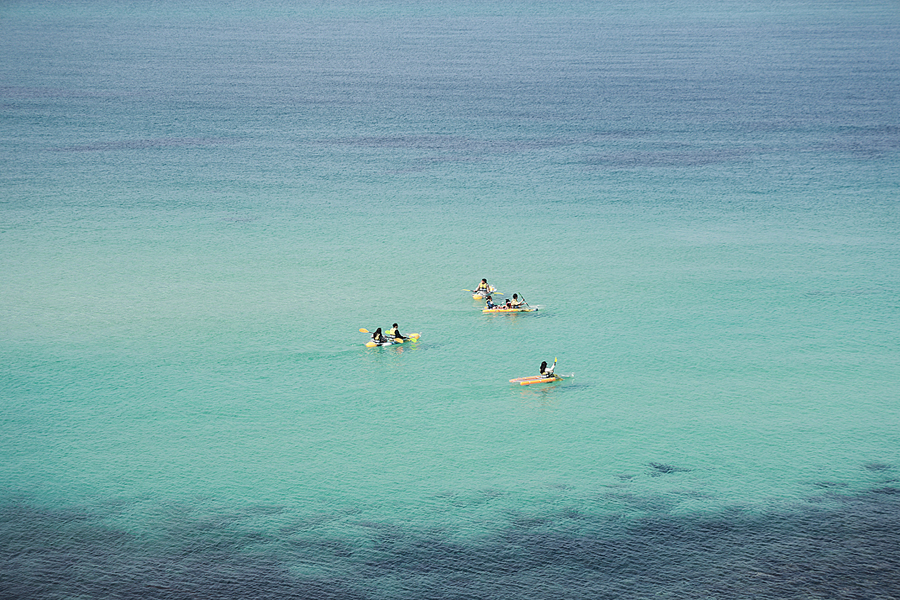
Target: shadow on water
848, 549
664, 469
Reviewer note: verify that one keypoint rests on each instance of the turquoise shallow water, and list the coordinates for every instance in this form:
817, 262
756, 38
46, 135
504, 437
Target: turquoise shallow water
202, 205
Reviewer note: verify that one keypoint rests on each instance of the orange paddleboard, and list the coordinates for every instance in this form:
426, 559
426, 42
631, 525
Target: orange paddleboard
540, 380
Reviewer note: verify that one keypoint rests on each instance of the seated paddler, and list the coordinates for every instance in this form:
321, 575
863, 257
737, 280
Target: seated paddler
394, 332
547, 372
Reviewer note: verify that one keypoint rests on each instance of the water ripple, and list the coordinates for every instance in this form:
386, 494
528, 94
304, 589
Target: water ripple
848, 549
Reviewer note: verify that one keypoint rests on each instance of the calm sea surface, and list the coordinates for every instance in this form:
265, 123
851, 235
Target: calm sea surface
202, 203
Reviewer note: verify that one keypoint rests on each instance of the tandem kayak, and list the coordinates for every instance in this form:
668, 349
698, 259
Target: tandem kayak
503, 309
390, 341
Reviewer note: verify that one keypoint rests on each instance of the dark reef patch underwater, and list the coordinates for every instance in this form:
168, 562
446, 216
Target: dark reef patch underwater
845, 547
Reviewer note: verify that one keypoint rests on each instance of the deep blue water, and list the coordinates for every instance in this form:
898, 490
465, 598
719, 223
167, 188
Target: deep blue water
202, 203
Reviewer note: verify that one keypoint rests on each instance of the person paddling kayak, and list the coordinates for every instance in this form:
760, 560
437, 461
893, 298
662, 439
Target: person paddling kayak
547, 372
394, 332
378, 337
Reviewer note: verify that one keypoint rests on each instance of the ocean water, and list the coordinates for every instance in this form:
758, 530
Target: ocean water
202, 203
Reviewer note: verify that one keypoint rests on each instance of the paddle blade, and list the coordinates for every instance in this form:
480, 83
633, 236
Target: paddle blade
363, 330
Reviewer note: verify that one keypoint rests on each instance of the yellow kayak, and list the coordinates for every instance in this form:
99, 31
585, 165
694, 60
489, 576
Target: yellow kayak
485, 293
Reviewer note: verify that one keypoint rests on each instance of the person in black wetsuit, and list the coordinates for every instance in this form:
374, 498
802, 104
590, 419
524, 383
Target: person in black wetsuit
394, 332
546, 371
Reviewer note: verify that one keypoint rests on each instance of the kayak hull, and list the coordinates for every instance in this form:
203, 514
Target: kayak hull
413, 337
410, 338
541, 380
508, 310
371, 344
485, 293
529, 378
